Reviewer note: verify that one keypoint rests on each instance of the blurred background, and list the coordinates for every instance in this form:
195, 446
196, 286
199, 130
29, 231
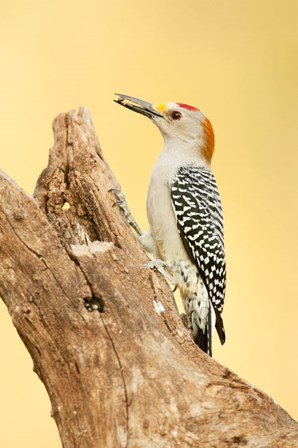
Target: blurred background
236, 60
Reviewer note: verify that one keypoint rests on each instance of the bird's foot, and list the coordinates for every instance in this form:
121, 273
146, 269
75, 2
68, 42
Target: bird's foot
121, 202
166, 269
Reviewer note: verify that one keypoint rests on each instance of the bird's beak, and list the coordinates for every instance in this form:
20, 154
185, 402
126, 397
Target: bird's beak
142, 107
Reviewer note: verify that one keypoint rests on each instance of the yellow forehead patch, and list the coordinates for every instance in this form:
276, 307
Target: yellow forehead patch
161, 107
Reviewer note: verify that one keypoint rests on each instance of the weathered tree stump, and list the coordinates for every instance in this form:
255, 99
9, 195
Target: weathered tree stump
104, 334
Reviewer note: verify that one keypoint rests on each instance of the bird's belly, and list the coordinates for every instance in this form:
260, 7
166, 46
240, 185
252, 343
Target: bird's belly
163, 224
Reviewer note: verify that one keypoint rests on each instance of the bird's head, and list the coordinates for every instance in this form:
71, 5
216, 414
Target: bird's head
180, 124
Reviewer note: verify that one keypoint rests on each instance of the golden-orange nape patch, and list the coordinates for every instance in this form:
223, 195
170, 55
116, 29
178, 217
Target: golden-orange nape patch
209, 140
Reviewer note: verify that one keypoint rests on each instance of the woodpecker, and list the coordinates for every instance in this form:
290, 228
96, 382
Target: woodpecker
185, 214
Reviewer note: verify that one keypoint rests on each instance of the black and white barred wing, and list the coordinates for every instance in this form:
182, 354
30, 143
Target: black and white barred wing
198, 211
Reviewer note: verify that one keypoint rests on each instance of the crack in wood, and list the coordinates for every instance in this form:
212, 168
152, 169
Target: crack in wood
121, 370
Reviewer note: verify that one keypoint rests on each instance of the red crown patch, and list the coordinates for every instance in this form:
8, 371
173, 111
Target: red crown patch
186, 106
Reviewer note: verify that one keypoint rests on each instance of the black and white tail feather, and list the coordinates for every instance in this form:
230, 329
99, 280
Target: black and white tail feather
198, 212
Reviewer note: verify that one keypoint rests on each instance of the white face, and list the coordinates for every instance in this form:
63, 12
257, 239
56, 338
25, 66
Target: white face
180, 123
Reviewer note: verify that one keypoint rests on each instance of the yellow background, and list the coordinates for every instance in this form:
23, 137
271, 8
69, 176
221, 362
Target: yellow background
237, 60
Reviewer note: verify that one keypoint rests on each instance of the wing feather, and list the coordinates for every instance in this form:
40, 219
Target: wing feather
198, 211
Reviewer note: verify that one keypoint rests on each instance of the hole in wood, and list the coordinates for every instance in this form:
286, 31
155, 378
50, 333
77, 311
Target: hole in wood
94, 304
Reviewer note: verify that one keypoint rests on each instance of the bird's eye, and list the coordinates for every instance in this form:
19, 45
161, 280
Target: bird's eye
175, 115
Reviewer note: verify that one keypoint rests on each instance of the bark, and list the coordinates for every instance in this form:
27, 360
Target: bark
104, 334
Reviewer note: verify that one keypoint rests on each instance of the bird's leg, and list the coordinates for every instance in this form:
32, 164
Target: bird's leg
121, 202
166, 269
